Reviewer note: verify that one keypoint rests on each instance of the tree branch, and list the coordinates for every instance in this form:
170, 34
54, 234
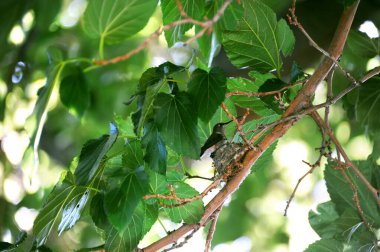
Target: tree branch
303, 99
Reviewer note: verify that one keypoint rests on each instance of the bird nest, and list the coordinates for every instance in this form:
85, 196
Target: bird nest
228, 158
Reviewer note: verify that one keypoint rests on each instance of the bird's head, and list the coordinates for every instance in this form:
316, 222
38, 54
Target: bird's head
219, 127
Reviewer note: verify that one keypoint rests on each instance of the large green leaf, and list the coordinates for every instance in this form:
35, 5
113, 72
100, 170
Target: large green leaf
127, 183
122, 200
208, 90
72, 212
150, 85
189, 213
322, 220
258, 40
133, 156
368, 105
62, 197
142, 220
155, 153
363, 46
38, 117
92, 155
115, 20
350, 227
341, 193
177, 123
74, 92
171, 13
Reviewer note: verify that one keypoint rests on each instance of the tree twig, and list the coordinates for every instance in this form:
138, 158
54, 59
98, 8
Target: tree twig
210, 235
207, 26
261, 94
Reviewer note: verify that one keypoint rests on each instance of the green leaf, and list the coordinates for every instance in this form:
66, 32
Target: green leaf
177, 123
127, 240
133, 156
258, 39
322, 221
341, 193
363, 46
127, 184
155, 153
151, 83
245, 85
125, 126
208, 90
141, 222
38, 117
97, 211
151, 216
72, 212
265, 159
175, 176
326, 245
171, 13
351, 228
158, 185
189, 213
92, 155
368, 105
62, 197
114, 21
74, 92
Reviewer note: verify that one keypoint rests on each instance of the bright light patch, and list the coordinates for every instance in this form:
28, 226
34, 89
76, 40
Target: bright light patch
12, 190
14, 145
291, 154
3, 89
27, 20
372, 63
359, 148
17, 35
24, 218
71, 15
242, 244
7, 236
343, 132
370, 29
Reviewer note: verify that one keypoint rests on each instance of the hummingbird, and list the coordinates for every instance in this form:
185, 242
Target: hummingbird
216, 136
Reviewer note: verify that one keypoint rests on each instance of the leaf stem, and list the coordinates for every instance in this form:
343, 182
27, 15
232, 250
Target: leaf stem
162, 225
101, 47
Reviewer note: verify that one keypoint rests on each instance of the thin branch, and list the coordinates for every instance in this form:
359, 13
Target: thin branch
210, 235
207, 26
238, 124
310, 171
292, 18
355, 196
183, 201
261, 94
317, 118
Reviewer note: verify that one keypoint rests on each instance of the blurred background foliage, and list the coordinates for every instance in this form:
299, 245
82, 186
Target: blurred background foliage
253, 219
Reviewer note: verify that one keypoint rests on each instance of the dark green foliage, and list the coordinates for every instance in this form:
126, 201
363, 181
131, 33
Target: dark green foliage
163, 115
208, 90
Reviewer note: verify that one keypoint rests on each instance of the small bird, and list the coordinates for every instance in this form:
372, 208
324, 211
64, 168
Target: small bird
216, 136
